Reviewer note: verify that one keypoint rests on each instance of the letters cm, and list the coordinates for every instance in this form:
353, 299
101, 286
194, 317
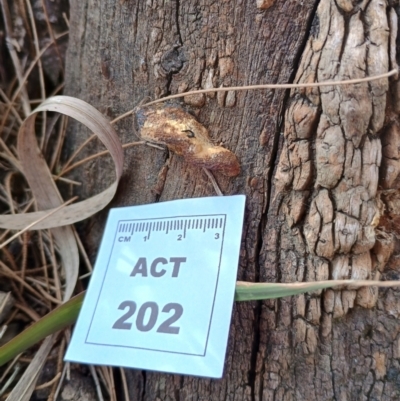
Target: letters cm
155, 271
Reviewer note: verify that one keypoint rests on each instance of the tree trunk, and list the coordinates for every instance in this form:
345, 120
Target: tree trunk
319, 169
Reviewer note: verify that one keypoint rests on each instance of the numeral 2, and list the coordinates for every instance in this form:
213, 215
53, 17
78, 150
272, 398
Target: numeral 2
121, 323
164, 327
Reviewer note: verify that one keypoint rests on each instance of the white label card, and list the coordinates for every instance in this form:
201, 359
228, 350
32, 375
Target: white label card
161, 293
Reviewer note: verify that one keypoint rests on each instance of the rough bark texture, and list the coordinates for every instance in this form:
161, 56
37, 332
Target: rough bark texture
319, 168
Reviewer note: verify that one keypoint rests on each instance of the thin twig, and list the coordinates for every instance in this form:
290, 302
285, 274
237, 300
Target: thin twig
11, 260
124, 384
10, 379
112, 385
262, 86
10, 273
77, 151
24, 258
131, 111
82, 251
47, 296
55, 268
28, 311
122, 116
43, 259
59, 370
26, 208
66, 366
58, 89
66, 180
86, 275
40, 69
96, 382
37, 282
7, 186
9, 156
95, 156
11, 105
52, 36
49, 383
103, 374
9, 367
213, 182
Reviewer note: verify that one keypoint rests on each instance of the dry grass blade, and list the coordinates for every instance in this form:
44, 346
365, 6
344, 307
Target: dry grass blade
48, 200
39, 177
23, 390
30, 226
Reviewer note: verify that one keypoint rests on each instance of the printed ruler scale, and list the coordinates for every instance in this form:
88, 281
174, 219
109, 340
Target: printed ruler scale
162, 290
170, 224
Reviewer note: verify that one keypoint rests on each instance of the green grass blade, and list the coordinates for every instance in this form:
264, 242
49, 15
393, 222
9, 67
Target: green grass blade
67, 313
56, 320
259, 291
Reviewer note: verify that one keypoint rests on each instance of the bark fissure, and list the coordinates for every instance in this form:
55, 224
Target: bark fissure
177, 23
281, 121
143, 393
135, 21
255, 350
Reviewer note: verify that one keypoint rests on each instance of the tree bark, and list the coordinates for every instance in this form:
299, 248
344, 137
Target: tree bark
320, 169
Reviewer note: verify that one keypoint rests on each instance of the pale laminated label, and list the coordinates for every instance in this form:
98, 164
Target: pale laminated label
161, 294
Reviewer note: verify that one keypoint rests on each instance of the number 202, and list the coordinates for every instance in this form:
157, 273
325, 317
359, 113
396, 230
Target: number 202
165, 327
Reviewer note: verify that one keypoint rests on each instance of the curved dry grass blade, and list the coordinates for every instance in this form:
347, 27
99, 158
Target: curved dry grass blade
30, 226
69, 215
39, 177
48, 199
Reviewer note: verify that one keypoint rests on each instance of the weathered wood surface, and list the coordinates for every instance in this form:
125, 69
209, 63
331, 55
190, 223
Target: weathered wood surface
311, 162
